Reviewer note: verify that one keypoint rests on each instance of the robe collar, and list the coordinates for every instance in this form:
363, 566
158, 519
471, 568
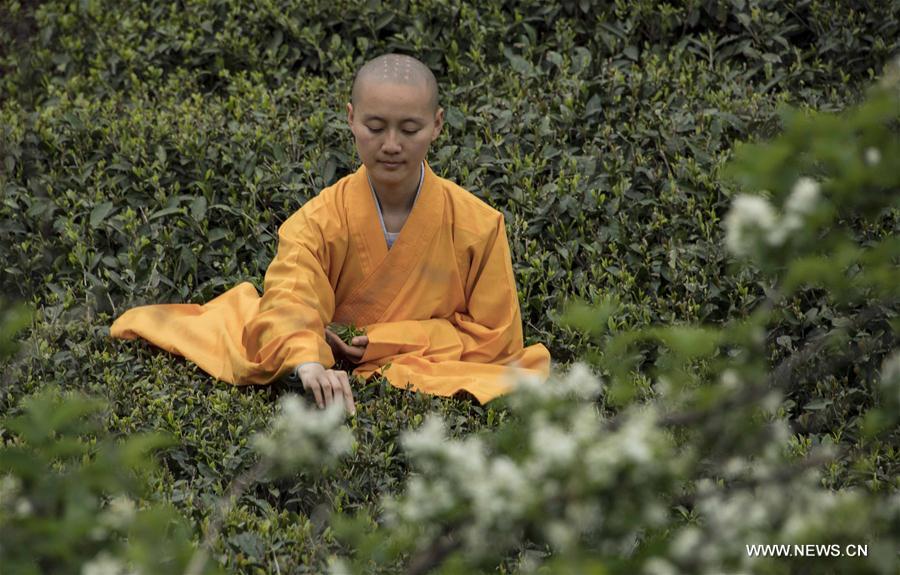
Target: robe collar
386, 272
391, 237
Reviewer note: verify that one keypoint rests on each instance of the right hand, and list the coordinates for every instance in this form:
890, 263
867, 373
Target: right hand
353, 352
327, 385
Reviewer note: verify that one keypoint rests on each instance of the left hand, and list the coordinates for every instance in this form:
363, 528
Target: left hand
353, 352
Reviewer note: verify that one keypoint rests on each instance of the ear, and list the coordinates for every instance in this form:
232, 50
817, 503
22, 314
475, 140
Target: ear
350, 114
438, 124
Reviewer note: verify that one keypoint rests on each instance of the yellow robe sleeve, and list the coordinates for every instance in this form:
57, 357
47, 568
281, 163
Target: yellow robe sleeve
243, 338
297, 301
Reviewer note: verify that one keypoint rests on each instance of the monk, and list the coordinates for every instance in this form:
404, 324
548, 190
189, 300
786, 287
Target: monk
422, 265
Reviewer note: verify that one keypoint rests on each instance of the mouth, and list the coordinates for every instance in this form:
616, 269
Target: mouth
391, 165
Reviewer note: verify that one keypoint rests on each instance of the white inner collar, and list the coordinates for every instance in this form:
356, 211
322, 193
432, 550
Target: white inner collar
391, 236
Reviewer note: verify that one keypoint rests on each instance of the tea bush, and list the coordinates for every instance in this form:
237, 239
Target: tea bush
150, 150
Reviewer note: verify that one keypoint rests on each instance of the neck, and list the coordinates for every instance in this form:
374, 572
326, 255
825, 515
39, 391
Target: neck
399, 198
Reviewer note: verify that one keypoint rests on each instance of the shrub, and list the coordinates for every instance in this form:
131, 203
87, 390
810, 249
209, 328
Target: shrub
150, 150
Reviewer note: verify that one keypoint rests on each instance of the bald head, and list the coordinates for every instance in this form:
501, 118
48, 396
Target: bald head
395, 69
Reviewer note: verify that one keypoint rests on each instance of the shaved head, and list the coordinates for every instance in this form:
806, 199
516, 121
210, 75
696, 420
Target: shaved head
395, 69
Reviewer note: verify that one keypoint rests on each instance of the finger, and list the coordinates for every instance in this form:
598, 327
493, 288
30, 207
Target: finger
335, 387
314, 386
332, 340
360, 341
327, 388
348, 395
343, 346
355, 354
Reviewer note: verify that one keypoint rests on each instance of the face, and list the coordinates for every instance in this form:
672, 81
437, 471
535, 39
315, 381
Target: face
393, 125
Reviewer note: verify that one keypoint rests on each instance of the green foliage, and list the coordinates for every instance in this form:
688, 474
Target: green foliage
12, 320
69, 493
154, 163
150, 150
346, 332
697, 462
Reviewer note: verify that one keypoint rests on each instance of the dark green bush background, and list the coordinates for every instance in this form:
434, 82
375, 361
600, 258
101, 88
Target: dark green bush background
150, 150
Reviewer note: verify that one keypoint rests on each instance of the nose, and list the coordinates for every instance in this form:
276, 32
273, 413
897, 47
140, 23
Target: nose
391, 144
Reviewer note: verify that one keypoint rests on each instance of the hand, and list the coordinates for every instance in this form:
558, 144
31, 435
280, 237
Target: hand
327, 385
353, 352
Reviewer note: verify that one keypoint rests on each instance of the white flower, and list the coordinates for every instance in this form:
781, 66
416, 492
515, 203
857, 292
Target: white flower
551, 445
584, 423
337, 566
498, 498
432, 452
804, 196
103, 564
119, 512
560, 535
655, 514
752, 218
302, 436
635, 436
427, 500
429, 438
584, 516
10, 486
734, 467
890, 378
659, 566
508, 490
890, 77
873, 156
730, 380
24, 508
580, 383
777, 235
748, 215
771, 402
684, 544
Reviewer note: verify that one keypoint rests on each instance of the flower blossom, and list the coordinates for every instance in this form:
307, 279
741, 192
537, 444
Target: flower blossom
103, 564
890, 378
872, 156
119, 513
752, 218
303, 437
748, 215
804, 196
10, 486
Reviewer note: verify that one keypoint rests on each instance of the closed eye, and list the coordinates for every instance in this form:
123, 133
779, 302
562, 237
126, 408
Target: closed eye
407, 132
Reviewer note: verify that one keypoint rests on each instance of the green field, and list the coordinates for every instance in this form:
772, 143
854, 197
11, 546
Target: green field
149, 151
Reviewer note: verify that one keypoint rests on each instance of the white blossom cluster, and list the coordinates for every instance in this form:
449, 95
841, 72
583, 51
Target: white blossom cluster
753, 219
117, 515
459, 472
303, 437
11, 499
119, 512
532, 393
106, 564
753, 502
551, 481
728, 520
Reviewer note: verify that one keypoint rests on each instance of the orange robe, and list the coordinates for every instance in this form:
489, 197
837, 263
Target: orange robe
440, 307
